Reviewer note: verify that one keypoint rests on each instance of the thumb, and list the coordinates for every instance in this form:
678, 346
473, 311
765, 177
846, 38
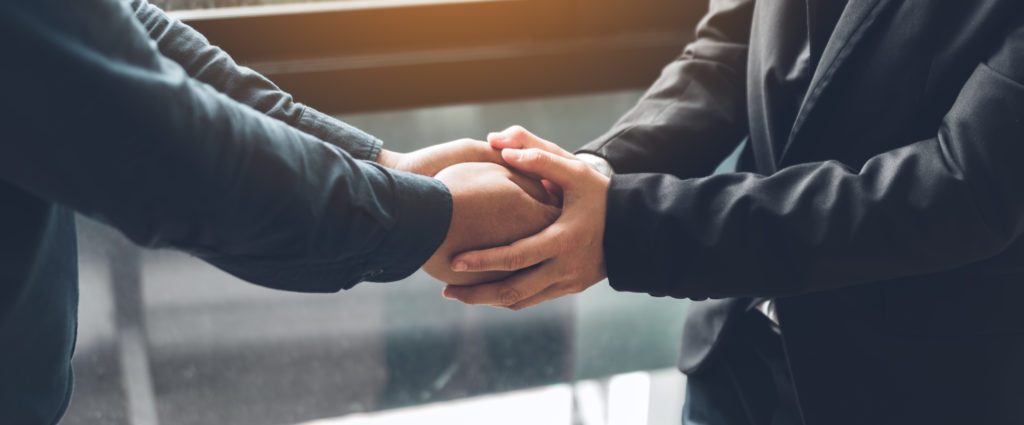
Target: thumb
545, 165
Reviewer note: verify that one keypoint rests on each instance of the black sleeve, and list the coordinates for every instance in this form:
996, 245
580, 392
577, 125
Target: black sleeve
934, 205
97, 119
695, 113
213, 66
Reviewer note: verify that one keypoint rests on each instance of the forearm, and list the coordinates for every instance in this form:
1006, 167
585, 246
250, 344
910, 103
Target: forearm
695, 113
213, 66
931, 206
130, 139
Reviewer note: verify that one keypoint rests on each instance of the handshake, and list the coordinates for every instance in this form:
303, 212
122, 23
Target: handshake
527, 218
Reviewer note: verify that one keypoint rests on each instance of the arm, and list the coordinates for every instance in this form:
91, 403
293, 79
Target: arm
106, 125
938, 204
213, 66
935, 205
695, 113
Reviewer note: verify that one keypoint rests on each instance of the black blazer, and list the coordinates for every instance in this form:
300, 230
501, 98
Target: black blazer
887, 221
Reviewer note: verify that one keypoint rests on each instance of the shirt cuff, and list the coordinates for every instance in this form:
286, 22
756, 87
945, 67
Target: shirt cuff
637, 258
423, 207
358, 143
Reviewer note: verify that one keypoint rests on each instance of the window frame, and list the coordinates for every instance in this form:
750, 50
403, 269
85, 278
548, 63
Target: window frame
388, 54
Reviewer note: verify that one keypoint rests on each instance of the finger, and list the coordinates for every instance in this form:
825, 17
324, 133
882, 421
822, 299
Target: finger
499, 141
548, 294
485, 153
559, 170
432, 159
508, 292
517, 256
554, 192
517, 137
469, 150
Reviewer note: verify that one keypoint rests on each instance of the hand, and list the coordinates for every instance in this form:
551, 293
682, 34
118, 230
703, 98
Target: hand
566, 257
431, 160
492, 206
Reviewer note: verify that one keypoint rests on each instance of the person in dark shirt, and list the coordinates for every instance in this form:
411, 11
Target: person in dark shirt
115, 111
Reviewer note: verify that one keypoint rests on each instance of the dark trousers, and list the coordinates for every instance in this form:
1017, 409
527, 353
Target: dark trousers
747, 383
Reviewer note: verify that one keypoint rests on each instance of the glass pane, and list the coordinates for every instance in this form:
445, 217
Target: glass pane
197, 346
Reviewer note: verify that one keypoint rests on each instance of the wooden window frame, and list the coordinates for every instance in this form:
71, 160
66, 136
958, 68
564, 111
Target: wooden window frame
350, 56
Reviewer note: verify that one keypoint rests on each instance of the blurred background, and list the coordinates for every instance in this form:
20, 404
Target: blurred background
167, 339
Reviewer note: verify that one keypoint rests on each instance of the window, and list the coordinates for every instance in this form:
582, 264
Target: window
386, 54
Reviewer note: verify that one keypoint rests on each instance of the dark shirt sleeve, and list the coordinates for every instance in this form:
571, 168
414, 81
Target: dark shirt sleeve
695, 113
213, 66
97, 119
945, 202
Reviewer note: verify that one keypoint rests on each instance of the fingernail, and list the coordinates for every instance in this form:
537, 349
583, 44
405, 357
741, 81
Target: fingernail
460, 266
513, 154
496, 137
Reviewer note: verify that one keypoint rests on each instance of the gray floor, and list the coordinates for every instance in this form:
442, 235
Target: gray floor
218, 350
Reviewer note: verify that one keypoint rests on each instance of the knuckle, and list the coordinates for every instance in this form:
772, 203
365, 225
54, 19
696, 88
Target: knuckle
474, 263
509, 296
517, 131
536, 156
514, 261
580, 167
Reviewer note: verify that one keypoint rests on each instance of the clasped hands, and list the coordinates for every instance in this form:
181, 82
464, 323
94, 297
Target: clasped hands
527, 222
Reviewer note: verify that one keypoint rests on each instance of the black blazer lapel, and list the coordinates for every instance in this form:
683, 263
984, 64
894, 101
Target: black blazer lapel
855, 21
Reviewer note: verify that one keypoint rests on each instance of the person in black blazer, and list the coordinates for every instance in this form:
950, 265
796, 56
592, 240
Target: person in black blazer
876, 216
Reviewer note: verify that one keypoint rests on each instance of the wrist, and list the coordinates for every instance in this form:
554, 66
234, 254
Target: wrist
599, 164
388, 158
